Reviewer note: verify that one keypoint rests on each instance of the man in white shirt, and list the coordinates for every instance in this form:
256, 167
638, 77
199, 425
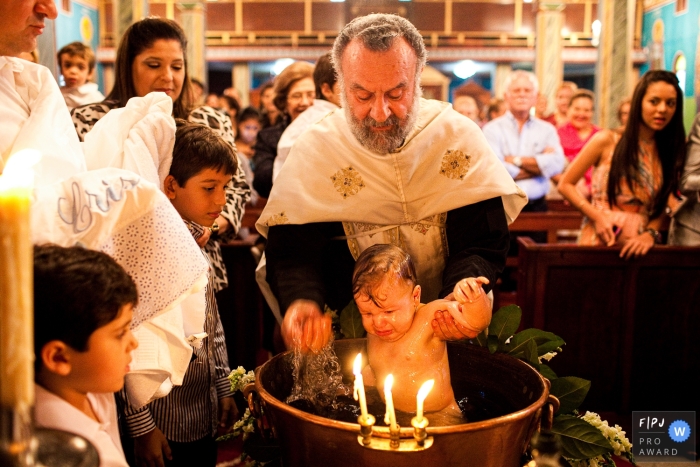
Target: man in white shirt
29, 95
528, 147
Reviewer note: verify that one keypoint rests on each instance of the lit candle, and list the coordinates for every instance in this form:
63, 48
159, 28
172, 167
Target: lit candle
390, 416
359, 384
16, 283
422, 394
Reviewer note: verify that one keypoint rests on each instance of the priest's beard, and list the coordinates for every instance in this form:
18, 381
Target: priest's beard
386, 141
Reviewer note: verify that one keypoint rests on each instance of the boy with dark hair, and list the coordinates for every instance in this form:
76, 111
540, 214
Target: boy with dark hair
180, 428
76, 61
326, 80
83, 303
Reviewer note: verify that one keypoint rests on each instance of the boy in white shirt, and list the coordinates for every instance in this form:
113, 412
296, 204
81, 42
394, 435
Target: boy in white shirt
83, 303
77, 64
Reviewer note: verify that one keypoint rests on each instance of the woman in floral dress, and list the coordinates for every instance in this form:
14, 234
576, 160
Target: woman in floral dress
636, 170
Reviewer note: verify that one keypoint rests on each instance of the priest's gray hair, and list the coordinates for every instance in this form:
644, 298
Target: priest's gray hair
378, 33
521, 74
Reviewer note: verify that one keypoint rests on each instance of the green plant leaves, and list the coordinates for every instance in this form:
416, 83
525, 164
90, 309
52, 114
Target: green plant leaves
546, 371
579, 439
505, 322
482, 338
530, 352
544, 341
571, 391
492, 343
351, 321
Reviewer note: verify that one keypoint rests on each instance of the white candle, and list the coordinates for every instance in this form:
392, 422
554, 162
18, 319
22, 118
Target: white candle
390, 416
422, 394
359, 384
16, 283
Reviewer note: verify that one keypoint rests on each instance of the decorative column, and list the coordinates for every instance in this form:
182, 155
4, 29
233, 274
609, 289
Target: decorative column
193, 19
124, 13
502, 72
549, 66
240, 77
614, 76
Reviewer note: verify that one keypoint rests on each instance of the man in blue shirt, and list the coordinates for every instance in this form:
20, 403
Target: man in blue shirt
528, 147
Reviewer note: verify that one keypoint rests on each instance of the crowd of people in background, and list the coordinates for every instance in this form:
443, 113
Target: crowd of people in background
573, 141
258, 130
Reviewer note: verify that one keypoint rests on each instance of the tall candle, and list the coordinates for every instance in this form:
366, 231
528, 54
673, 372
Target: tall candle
359, 392
16, 284
422, 394
390, 416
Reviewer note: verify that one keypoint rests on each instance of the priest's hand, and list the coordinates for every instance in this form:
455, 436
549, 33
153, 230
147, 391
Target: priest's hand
475, 308
150, 448
445, 328
305, 327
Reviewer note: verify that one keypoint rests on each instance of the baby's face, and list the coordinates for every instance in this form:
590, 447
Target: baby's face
391, 316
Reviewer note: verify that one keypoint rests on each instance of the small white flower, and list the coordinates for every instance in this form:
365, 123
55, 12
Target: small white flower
548, 356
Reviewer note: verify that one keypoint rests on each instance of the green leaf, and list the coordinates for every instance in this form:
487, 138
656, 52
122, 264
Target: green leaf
571, 391
492, 343
481, 338
545, 341
531, 353
351, 321
505, 322
547, 372
579, 439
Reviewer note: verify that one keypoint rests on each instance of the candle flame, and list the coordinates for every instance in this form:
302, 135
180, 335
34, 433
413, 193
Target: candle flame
425, 389
357, 367
18, 172
388, 383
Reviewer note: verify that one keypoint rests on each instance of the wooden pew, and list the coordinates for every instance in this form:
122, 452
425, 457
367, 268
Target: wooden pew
252, 213
630, 326
551, 222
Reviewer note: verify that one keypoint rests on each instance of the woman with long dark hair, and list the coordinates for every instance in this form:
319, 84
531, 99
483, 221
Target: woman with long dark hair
635, 172
151, 57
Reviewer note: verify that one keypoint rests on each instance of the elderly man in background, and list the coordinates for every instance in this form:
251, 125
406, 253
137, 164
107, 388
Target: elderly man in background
528, 147
391, 168
30, 100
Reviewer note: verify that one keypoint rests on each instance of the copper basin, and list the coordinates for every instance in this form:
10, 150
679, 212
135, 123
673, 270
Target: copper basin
310, 440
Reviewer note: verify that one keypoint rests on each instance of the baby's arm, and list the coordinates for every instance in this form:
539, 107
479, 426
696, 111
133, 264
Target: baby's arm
475, 306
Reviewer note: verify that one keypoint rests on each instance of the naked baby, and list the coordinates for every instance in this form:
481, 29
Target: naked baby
400, 337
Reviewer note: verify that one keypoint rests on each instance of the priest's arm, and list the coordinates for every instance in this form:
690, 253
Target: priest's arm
478, 239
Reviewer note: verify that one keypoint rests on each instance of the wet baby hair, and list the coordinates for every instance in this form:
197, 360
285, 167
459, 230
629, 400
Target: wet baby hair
375, 263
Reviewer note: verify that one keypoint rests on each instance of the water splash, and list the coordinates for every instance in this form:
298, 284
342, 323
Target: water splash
318, 380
